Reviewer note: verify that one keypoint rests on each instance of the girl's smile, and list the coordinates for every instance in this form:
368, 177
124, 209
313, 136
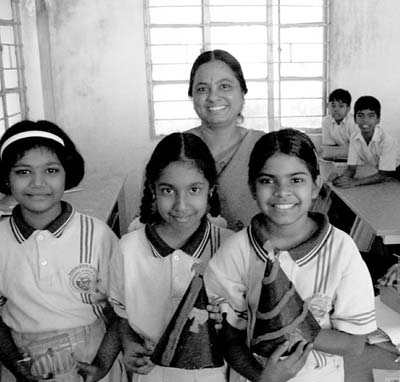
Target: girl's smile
285, 190
182, 197
37, 181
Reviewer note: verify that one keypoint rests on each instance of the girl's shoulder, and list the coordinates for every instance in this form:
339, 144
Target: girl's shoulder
235, 242
99, 227
132, 237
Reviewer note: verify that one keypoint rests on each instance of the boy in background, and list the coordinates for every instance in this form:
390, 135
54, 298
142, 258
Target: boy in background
371, 145
338, 125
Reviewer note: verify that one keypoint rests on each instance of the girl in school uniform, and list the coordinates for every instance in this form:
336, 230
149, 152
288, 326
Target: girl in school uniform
322, 262
53, 259
156, 267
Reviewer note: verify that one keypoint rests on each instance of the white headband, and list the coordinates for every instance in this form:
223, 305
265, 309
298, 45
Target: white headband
30, 134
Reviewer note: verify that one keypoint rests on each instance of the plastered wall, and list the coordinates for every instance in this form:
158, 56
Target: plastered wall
365, 53
95, 61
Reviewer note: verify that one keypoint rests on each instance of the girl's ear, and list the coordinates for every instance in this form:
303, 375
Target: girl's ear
317, 186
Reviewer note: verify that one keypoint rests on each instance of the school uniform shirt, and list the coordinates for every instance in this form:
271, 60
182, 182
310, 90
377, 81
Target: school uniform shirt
148, 282
150, 278
334, 134
327, 271
382, 152
55, 278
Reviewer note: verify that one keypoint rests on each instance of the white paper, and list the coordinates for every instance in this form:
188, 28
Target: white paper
388, 320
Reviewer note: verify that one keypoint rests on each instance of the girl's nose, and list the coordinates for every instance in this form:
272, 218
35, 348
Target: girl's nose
37, 179
282, 189
180, 202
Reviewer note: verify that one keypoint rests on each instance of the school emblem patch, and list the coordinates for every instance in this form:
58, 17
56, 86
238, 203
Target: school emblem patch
320, 305
83, 278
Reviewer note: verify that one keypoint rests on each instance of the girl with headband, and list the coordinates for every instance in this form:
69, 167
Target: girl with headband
53, 260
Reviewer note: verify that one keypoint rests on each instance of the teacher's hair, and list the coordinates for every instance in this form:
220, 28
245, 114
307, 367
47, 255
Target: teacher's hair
218, 55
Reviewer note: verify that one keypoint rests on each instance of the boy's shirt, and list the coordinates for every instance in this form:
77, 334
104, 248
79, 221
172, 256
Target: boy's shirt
382, 152
334, 134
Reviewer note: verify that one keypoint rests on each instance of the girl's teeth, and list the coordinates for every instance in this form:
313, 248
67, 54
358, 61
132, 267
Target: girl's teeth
216, 108
283, 206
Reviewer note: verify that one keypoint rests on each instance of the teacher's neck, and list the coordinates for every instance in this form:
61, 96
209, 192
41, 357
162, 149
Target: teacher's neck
221, 137
219, 133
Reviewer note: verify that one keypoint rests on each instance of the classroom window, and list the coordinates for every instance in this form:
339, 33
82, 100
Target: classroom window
12, 89
281, 45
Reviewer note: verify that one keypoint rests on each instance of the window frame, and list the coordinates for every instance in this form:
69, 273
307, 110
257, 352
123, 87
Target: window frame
15, 23
274, 62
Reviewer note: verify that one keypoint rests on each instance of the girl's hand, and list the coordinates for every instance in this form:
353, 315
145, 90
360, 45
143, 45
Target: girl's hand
90, 372
390, 276
215, 312
23, 372
281, 370
137, 356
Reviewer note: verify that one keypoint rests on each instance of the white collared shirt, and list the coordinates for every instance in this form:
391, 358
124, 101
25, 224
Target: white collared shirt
382, 152
334, 134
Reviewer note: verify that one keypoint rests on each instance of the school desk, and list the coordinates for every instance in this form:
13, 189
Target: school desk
377, 208
101, 195
334, 153
359, 369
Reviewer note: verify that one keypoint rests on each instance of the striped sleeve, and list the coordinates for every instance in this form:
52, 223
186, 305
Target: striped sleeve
224, 280
354, 306
116, 285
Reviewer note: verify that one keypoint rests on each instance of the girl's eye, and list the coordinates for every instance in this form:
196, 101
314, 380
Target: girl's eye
297, 180
265, 181
53, 170
167, 191
22, 172
195, 190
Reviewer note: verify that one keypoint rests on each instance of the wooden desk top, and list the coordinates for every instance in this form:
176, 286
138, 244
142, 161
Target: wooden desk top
96, 195
377, 204
359, 369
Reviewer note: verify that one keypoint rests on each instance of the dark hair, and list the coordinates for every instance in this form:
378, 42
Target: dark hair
286, 141
178, 147
340, 95
367, 102
68, 155
220, 55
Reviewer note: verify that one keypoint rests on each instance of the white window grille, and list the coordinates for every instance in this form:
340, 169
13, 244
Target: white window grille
12, 88
282, 46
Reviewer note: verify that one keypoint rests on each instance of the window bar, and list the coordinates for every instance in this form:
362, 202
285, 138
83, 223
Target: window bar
326, 56
149, 63
270, 66
206, 21
2, 82
20, 62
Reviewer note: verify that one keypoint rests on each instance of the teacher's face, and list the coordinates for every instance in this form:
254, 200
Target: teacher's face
217, 96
